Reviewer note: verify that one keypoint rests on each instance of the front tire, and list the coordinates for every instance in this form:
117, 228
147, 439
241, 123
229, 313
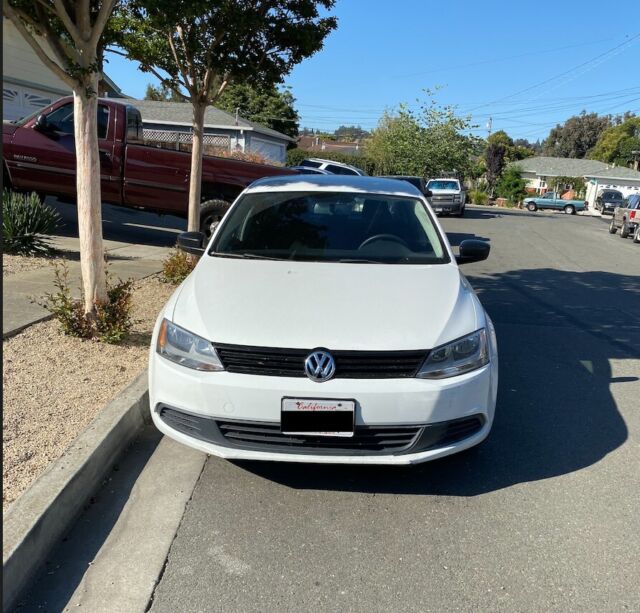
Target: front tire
569, 209
211, 213
624, 231
531, 206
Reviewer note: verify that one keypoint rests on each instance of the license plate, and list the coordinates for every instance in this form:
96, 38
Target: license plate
438, 209
317, 417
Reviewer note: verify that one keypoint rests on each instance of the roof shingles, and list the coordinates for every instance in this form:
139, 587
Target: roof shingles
570, 167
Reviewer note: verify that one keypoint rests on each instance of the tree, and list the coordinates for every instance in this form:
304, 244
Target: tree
351, 133
75, 31
268, 106
161, 94
494, 156
429, 142
197, 47
617, 143
511, 185
512, 151
576, 136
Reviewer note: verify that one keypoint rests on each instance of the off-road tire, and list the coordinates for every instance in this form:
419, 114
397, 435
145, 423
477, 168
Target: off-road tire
211, 212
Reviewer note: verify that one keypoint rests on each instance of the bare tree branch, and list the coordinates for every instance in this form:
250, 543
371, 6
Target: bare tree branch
16, 19
188, 84
84, 19
61, 13
101, 20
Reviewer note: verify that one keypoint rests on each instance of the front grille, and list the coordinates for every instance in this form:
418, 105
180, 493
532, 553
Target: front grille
349, 364
266, 436
378, 439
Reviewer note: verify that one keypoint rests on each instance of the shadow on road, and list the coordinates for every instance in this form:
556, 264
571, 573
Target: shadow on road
124, 225
557, 332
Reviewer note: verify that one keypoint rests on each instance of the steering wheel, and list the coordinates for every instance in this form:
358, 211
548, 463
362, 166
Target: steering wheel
387, 237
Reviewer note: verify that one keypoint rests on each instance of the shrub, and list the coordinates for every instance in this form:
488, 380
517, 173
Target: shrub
511, 185
25, 218
177, 266
111, 322
478, 196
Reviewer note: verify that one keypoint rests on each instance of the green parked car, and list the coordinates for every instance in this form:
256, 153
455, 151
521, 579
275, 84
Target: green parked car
552, 200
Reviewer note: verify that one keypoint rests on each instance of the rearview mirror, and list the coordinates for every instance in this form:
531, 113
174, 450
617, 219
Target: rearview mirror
192, 242
473, 250
428, 193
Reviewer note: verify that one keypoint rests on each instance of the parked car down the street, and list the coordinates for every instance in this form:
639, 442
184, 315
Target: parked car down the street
626, 218
326, 324
553, 201
607, 200
335, 168
417, 182
448, 196
308, 170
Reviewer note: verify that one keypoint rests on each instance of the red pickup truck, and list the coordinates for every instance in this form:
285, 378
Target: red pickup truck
38, 155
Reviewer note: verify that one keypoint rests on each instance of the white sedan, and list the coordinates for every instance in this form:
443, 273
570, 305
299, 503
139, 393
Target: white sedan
326, 321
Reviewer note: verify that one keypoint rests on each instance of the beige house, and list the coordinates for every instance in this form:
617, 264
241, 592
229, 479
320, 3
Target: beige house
27, 84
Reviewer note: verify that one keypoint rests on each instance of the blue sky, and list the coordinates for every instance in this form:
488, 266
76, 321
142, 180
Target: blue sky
528, 65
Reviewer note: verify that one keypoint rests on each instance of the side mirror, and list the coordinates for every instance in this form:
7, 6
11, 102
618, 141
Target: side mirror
428, 193
192, 242
41, 124
473, 250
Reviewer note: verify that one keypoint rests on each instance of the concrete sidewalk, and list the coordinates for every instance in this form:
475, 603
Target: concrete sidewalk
125, 260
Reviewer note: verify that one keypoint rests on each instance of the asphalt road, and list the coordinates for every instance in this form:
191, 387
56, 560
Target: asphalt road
545, 515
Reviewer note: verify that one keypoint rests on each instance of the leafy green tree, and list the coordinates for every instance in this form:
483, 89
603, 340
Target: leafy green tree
616, 144
576, 136
268, 106
428, 142
512, 151
161, 94
494, 157
197, 47
351, 133
511, 185
69, 38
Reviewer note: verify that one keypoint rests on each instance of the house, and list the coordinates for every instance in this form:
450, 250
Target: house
172, 121
317, 144
27, 84
538, 171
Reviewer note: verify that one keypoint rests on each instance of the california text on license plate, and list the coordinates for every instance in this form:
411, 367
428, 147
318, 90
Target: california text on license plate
317, 417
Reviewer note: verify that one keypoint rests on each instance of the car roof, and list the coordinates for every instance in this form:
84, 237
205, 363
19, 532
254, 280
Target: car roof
334, 183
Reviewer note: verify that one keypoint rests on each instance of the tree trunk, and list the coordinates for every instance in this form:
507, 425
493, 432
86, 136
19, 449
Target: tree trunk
195, 182
85, 113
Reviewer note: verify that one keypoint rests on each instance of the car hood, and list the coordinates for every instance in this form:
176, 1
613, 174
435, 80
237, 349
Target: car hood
338, 306
8, 129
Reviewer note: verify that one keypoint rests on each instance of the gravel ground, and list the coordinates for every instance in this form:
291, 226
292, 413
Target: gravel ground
54, 385
13, 264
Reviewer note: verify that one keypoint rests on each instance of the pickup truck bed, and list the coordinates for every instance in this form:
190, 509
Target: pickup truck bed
42, 159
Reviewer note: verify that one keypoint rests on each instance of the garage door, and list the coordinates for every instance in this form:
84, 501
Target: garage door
20, 101
274, 152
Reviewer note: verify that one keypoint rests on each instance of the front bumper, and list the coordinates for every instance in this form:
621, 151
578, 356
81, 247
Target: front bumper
447, 207
228, 398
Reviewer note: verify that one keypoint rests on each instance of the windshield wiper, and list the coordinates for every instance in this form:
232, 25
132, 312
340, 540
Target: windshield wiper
359, 261
245, 256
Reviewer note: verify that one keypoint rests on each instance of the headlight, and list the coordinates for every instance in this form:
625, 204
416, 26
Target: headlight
187, 349
457, 198
462, 355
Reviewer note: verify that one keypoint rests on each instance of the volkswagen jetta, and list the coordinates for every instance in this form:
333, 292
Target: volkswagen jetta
326, 321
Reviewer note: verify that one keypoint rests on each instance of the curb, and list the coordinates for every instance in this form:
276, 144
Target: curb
41, 516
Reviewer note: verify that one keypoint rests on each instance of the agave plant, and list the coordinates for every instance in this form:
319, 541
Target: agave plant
25, 221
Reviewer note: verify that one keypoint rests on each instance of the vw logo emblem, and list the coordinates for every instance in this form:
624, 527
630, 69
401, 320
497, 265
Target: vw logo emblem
319, 366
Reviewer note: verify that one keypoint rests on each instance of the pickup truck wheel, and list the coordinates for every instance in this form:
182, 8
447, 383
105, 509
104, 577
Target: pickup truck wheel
531, 206
636, 234
211, 213
612, 227
624, 231
569, 209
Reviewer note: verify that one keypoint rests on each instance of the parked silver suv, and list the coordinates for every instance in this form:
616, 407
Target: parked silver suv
335, 168
447, 196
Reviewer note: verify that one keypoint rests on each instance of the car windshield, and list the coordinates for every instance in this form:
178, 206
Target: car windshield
613, 196
443, 185
330, 227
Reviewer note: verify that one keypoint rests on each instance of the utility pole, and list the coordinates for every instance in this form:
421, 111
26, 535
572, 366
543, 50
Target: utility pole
489, 126
636, 159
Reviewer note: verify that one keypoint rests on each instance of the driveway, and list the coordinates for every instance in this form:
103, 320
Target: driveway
543, 516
